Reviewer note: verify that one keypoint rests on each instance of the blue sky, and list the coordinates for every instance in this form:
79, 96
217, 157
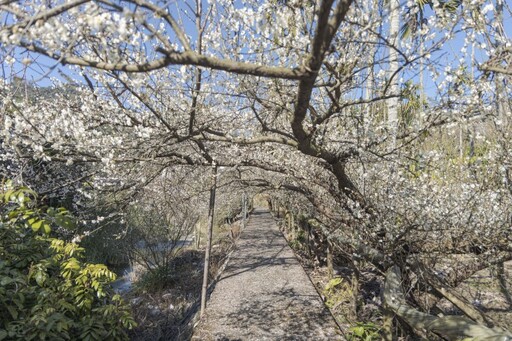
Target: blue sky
44, 68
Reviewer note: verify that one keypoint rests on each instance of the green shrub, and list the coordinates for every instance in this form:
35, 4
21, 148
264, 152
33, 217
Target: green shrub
155, 280
299, 242
47, 292
364, 331
337, 292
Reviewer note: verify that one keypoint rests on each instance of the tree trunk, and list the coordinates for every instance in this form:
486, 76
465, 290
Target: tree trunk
394, 27
421, 116
502, 102
211, 211
502, 279
387, 325
370, 83
450, 327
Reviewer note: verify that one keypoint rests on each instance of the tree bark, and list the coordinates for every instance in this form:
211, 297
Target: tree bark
450, 327
394, 27
387, 325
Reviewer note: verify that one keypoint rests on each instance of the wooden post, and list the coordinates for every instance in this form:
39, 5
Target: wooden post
244, 205
292, 226
211, 211
198, 235
308, 239
355, 290
330, 261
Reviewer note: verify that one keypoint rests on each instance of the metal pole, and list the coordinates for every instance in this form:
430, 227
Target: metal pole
209, 238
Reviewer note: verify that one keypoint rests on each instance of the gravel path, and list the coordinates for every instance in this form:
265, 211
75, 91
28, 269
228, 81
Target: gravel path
264, 293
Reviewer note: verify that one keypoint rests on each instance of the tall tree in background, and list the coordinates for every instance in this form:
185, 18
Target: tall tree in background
393, 72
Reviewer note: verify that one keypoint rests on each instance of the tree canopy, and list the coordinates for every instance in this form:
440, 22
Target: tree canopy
399, 143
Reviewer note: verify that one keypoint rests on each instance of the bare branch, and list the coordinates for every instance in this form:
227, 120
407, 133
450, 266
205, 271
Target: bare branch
169, 18
496, 69
176, 58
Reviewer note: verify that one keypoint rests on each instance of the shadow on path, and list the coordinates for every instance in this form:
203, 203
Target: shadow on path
264, 293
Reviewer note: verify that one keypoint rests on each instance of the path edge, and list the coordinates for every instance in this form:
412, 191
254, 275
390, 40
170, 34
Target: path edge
278, 223
190, 322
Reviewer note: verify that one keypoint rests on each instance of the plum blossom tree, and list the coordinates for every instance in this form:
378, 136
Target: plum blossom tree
279, 91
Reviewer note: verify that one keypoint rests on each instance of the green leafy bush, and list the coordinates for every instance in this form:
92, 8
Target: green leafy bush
337, 292
364, 331
155, 280
47, 291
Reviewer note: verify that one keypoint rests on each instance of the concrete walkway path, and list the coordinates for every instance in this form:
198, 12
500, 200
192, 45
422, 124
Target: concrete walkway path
264, 293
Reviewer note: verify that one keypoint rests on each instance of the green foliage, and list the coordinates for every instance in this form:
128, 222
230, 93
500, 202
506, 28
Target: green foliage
155, 280
46, 290
411, 103
417, 18
300, 239
333, 283
337, 291
364, 331
296, 245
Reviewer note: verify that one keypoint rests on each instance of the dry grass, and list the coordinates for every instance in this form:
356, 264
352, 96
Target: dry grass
162, 315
